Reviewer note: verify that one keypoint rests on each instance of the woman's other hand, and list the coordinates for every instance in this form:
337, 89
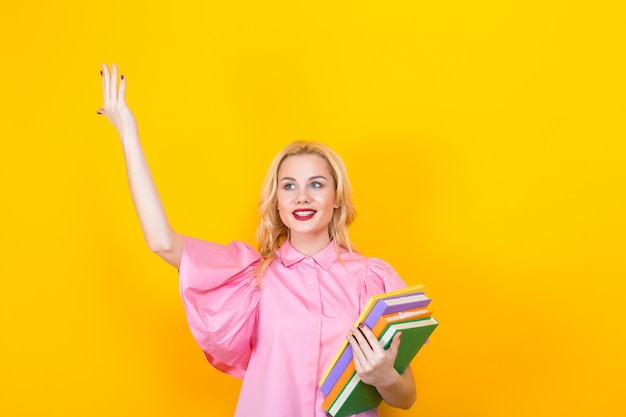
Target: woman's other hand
115, 108
372, 362
375, 366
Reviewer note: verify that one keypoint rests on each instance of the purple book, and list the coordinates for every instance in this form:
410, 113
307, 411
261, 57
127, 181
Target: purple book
381, 308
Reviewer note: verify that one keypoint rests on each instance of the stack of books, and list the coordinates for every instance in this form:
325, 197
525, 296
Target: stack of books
385, 314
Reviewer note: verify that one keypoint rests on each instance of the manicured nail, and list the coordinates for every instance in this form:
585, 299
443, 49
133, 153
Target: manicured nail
122, 76
100, 72
361, 325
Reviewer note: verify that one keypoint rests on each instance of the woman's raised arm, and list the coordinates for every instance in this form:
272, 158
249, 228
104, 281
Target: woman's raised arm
159, 235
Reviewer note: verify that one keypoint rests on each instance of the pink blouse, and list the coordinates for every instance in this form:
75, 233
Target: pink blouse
279, 337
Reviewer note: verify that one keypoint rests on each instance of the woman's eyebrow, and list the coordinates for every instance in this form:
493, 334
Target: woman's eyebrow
315, 177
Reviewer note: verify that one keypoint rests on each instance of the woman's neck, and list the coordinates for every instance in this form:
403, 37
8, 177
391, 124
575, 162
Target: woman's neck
308, 245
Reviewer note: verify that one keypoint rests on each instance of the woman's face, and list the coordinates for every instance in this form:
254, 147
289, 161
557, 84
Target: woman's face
306, 199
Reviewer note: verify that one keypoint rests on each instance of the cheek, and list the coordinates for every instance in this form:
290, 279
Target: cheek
330, 200
283, 217
280, 201
281, 198
281, 205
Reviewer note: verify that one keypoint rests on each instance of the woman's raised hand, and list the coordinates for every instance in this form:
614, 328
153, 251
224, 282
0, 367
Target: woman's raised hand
115, 108
160, 236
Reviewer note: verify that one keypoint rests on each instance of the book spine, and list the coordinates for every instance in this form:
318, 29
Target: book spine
335, 373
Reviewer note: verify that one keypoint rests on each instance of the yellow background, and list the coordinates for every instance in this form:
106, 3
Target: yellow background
485, 141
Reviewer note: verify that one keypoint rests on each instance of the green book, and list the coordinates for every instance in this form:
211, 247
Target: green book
356, 396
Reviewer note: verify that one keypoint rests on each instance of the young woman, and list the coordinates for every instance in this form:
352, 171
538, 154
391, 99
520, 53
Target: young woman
275, 316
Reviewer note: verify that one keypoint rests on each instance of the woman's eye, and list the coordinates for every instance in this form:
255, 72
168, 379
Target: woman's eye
316, 184
289, 186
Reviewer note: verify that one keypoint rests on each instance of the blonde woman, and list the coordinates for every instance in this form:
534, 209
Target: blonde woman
274, 316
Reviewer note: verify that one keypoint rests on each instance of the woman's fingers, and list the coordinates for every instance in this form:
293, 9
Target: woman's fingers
121, 94
371, 339
395, 345
113, 86
373, 364
357, 352
105, 85
365, 351
111, 93
115, 108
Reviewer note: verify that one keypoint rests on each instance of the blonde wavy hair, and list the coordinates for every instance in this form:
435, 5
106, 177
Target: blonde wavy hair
272, 232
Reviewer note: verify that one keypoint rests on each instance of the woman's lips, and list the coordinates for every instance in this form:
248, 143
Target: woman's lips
303, 214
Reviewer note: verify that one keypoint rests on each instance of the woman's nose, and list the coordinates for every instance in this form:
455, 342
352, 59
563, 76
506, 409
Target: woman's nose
303, 196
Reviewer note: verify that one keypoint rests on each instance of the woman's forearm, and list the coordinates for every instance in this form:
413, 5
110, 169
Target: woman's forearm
401, 392
158, 233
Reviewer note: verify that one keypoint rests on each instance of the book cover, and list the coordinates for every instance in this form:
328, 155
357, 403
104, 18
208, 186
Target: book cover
414, 289
383, 306
354, 396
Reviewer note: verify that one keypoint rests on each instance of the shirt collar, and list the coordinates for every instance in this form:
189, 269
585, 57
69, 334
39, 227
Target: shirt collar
290, 256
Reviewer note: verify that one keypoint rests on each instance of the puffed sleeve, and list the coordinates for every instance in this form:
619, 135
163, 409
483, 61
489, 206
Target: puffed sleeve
380, 278
220, 297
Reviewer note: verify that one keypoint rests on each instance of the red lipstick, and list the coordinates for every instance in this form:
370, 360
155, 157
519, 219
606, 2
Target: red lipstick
304, 214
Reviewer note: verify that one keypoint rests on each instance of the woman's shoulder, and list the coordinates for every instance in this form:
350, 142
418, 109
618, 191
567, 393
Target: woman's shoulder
359, 258
376, 273
202, 259
234, 248
367, 264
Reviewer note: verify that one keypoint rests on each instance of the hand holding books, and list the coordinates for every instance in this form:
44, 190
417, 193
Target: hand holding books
373, 363
387, 315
